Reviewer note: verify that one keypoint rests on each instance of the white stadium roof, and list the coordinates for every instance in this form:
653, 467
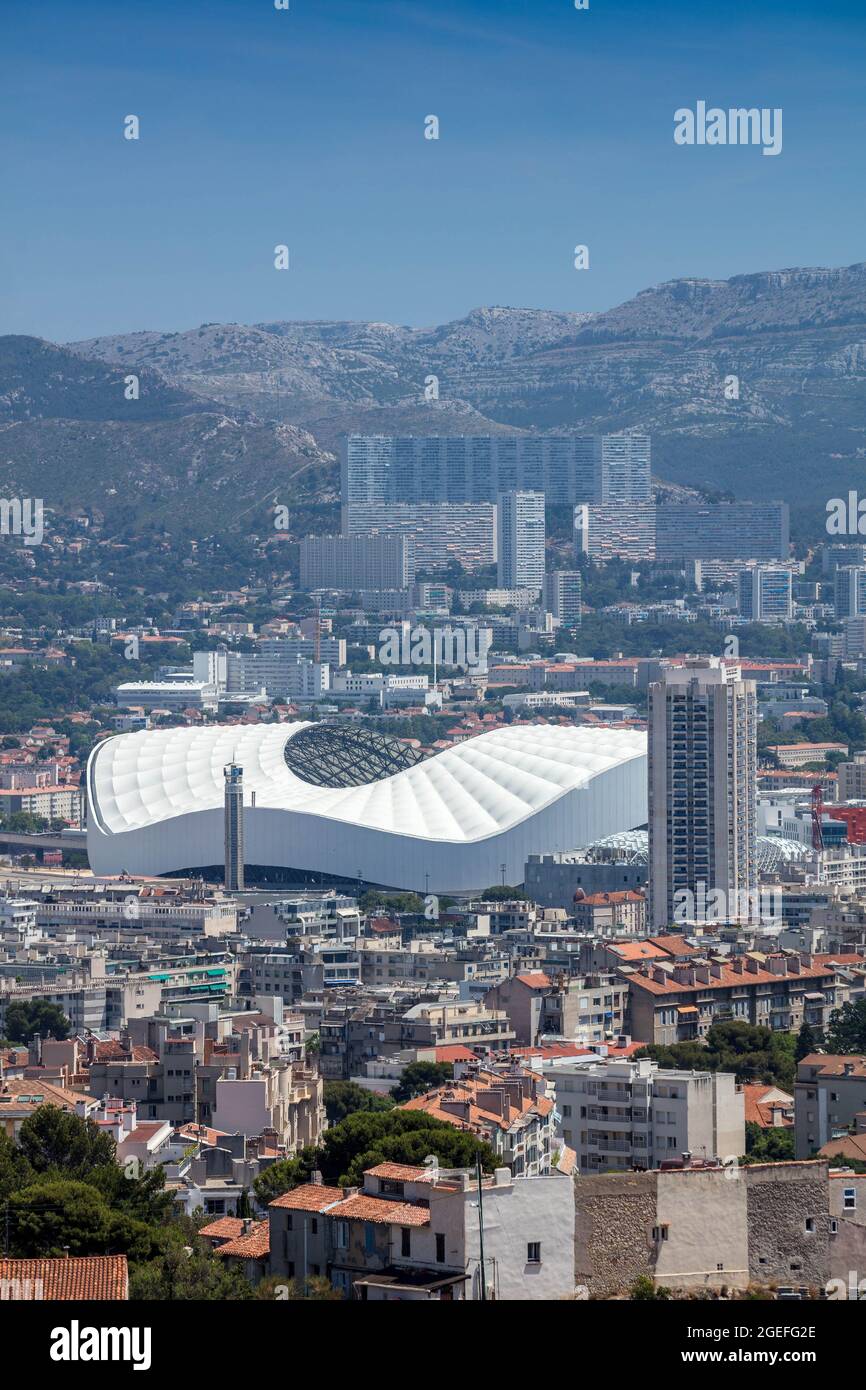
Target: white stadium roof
156, 802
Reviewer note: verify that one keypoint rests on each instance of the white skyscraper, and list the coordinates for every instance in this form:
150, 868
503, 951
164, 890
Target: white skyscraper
562, 596
702, 769
767, 593
850, 591
520, 540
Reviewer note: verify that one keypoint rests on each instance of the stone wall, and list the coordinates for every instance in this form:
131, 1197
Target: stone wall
614, 1217
780, 1198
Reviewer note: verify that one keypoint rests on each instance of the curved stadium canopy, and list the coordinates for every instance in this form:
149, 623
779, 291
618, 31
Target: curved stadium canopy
457, 821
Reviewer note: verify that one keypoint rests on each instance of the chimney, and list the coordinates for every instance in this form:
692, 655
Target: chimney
316, 1178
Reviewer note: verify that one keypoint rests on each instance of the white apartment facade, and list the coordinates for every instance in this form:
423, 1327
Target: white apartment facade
619, 1115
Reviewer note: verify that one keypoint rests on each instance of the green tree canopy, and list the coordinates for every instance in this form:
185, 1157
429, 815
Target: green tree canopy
24, 1017
419, 1077
53, 1139
774, 1145
344, 1098
398, 1136
807, 1041
846, 1032
754, 1054
282, 1176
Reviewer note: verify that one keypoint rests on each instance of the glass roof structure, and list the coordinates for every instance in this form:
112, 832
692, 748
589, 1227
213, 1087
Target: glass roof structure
331, 755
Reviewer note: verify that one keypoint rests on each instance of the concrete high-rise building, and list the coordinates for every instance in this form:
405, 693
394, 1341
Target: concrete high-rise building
721, 531
384, 469
520, 540
702, 768
357, 562
234, 827
623, 530
440, 532
562, 596
850, 591
767, 594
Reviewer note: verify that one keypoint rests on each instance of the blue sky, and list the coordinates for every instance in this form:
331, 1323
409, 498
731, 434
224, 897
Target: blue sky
305, 127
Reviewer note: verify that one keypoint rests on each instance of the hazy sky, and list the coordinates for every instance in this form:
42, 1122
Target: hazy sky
306, 127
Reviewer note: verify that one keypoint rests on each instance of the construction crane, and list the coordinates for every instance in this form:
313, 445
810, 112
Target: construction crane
853, 816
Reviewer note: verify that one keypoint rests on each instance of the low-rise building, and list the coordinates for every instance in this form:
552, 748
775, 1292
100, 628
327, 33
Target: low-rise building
414, 1234
829, 1093
680, 1001
509, 1108
624, 1114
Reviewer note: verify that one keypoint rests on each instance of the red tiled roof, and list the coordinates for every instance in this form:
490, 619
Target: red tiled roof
762, 1112
852, 1147
725, 979
103, 1277
846, 958
455, 1052
309, 1197
832, 1064
377, 1210
400, 1172
535, 979
226, 1227
255, 1245
617, 895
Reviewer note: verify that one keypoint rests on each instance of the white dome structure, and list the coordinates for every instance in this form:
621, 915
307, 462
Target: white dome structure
344, 802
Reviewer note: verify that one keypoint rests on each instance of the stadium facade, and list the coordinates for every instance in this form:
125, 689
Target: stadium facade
346, 803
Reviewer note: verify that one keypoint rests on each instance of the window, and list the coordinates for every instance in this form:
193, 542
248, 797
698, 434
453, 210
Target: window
341, 1236
405, 1241
849, 1199
440, 1249
533, 1252
810, 1225
660, 1233
834, 1227
289, 1226
314, 1226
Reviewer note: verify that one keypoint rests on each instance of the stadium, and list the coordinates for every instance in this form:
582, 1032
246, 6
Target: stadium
347, 803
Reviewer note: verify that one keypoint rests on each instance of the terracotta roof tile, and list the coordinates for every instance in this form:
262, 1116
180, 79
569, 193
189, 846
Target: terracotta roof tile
310, 1197
400, 1172
377, 1210
255, 1245
226, 1227
102, 1277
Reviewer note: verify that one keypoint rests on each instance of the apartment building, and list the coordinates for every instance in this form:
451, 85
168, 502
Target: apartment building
634, 1114
766, 594
829, 1095
511, 1109
588, 1008
414, 1234
283, 1099
520, 540
354, 1032
383, 469
680, 1001
691, 531
702, 771
349, 563
613, 912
